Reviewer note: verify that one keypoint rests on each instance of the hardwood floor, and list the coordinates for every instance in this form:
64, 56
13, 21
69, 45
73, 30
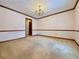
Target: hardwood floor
39, 47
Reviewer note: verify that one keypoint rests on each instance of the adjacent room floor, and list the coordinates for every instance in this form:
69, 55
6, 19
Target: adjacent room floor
39, 47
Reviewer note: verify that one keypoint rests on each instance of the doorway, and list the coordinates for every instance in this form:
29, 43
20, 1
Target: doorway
28, 26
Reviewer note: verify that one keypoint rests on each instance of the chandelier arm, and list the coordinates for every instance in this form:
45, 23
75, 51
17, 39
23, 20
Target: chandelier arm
39, 11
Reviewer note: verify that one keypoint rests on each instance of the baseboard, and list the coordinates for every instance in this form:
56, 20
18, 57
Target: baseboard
58, 38
77, 42
12, 39
35, 35
53, 37
44, 36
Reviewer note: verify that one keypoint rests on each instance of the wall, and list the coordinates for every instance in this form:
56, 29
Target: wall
63, 21
77, 22
34, 26
10, 20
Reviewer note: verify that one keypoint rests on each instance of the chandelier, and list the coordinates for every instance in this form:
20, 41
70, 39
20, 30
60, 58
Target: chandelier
39, 11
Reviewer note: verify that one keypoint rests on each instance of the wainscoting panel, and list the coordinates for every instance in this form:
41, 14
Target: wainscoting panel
57, 33
4, 36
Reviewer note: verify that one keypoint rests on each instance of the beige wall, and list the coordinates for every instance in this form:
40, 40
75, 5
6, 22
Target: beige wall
34, 26
77, 22
63, 21
10, 20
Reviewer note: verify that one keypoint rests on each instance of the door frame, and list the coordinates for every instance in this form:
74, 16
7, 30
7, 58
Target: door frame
30, 30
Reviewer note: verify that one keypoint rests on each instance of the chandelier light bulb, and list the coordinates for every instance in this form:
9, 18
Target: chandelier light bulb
39, 11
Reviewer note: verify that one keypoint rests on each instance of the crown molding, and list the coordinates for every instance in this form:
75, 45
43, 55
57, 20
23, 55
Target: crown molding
76, 4
17, 11
43, 16
56, 13
61, 11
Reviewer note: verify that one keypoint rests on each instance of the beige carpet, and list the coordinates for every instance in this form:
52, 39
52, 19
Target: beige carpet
39, 47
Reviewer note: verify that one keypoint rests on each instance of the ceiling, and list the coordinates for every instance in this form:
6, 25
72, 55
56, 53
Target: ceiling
49, 6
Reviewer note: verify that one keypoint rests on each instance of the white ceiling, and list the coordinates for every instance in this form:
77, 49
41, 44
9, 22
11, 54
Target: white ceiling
28, 6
